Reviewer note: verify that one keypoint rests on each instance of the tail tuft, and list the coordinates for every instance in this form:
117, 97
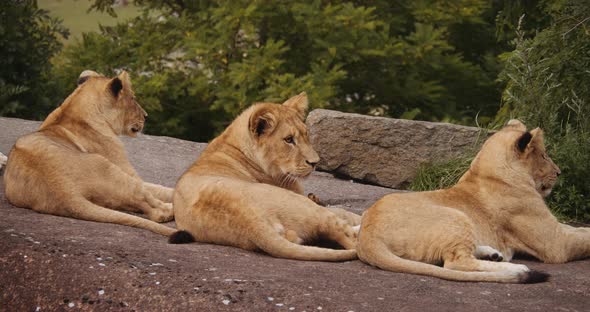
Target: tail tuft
533, 277
181, 237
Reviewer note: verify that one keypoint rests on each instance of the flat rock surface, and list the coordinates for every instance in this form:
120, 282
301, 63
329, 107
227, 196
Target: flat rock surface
55, 263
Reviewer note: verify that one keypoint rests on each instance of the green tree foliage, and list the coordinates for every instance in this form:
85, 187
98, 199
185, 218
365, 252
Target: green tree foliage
28, 40
196, 64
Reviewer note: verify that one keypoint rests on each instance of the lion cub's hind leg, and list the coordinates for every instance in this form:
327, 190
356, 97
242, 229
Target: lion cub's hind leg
113, 188
290, 235
462, 258
459, 252
470, 263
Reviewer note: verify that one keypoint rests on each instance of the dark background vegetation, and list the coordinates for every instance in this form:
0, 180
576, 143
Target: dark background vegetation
197, 64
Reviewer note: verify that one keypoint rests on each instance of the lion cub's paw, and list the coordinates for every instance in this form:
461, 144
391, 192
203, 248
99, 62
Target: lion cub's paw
488, 253
3, 160
350, 231
160, 216
163, 214
315, 199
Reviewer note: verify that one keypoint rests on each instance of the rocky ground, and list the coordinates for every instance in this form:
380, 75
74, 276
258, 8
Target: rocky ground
55, 263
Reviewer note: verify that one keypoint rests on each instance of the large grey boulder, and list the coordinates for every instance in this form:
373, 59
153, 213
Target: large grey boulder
384, 151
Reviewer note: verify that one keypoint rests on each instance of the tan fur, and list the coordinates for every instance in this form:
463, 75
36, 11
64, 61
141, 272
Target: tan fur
497, 203
244, 190
76, 166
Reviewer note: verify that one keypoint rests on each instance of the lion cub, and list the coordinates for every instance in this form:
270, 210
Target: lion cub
498, 203
76, 166
244, 190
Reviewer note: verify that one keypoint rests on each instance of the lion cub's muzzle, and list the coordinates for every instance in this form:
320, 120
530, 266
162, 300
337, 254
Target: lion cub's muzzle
312, 163
138, 125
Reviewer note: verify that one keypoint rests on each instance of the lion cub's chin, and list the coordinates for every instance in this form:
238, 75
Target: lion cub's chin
301, 176
134, 131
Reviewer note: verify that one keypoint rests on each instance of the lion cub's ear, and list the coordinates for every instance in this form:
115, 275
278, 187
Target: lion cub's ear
300, 103
115, 86
538, 139
531, 140
120, 83
262, 121
85, 75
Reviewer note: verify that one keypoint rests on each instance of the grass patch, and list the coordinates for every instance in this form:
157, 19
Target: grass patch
441, 175
446, 173
78, 20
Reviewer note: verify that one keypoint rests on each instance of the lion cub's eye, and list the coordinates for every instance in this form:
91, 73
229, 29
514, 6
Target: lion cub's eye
290, 140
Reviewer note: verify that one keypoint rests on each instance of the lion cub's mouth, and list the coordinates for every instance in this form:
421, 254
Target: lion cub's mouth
136, 128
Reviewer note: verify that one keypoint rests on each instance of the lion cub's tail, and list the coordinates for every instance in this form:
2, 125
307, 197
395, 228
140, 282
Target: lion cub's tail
380, 256
278, 246
86, 210
181, 237
269, 241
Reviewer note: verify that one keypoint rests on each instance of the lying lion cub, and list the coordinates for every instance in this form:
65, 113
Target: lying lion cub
76, 166
244, 191
498, 203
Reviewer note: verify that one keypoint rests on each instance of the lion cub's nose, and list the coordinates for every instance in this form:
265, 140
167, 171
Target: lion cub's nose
311, 163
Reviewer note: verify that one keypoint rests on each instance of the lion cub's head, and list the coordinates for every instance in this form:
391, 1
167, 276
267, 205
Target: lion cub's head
280, 139
515, 153
112, 100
